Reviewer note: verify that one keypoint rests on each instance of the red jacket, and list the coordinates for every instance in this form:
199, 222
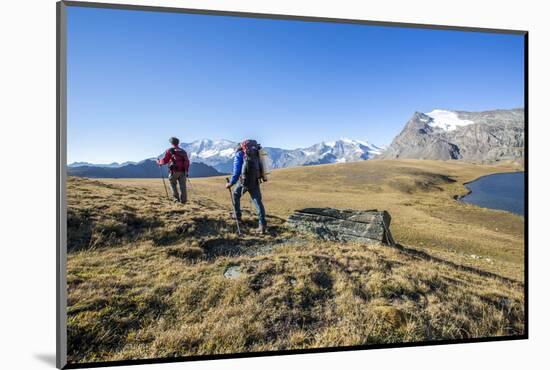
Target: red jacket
180, 158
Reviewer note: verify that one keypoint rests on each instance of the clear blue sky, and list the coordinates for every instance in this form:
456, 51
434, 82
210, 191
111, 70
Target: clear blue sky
136, 78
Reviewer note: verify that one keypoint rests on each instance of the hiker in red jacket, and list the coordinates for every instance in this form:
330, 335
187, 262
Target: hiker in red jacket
178, 165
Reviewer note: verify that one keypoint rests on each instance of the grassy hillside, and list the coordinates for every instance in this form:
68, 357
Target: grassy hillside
417, 194
147, 277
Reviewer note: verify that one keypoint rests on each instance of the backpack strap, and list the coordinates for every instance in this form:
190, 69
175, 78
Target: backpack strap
173, 164
173, 154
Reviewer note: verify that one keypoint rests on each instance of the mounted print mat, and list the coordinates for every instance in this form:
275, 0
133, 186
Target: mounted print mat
235, 184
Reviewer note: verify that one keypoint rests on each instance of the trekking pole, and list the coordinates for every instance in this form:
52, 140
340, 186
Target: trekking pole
164, 182
234, 210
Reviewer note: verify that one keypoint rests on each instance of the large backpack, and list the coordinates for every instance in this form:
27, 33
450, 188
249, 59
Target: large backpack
252, 171
178, 160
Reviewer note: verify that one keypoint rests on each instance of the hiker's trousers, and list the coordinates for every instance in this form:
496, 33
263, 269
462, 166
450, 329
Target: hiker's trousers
256, 196
177, 177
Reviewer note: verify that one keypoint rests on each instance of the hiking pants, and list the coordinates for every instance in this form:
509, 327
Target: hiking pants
256, 196
177, 177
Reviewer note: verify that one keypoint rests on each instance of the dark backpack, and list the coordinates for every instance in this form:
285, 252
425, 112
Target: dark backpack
178, 160
252, 167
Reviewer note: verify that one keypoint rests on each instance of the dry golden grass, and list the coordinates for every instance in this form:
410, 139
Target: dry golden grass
417, 194
146, 276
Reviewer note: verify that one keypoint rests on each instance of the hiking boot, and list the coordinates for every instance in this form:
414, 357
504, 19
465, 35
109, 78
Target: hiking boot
261, 230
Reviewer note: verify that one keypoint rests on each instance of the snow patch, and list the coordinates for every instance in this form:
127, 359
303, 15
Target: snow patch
227, 152
348, 141
446, 120
208, 153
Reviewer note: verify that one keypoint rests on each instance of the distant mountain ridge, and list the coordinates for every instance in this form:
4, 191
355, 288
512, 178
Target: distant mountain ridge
439, 135
110, 165
219, 153
444, 134
144, 169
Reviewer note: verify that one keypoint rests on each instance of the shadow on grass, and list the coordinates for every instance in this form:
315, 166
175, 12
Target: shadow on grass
420, 254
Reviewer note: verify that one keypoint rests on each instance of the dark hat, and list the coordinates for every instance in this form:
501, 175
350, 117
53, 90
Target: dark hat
174, 141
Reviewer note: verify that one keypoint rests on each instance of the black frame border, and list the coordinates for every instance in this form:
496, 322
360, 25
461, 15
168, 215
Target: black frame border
61, 119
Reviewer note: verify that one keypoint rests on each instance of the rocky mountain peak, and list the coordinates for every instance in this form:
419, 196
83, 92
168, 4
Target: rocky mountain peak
445, 134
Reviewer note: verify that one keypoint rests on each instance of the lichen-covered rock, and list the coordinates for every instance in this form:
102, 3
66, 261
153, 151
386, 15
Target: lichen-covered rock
370, 226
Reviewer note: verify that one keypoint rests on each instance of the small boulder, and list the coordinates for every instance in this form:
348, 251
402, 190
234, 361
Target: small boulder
345, 225
232, 272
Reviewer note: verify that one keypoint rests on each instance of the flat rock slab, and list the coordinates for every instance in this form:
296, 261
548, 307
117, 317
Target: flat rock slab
232, 272
345, 225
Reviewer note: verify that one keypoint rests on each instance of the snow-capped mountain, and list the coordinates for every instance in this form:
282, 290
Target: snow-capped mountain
445, 134
445, 120
339, 151
207, 148
219, 153
215, 153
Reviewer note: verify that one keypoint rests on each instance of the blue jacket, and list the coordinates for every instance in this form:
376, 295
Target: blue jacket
238, 161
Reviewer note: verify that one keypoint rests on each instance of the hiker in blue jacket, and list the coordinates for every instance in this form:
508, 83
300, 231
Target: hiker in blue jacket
247, 173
